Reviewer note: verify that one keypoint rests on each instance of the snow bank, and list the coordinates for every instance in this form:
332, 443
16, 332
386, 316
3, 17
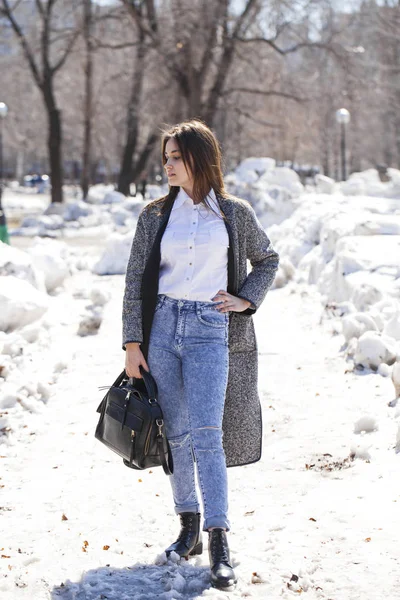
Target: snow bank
272, 191
38, 337
349, 248
97, 192
51, 258
19, 264
116, 255
107, 209
27, 359
20, 303
324, 184
368, 183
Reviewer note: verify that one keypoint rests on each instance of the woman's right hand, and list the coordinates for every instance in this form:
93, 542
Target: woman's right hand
133, 360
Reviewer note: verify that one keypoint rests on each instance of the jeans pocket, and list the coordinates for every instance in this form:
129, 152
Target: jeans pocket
212, 317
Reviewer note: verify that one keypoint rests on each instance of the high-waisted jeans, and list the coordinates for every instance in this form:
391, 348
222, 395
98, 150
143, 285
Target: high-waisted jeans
188, 357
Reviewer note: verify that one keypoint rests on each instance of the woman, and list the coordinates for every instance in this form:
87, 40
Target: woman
187, 310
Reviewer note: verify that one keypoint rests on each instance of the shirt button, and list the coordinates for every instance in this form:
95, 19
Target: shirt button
190, 247
190, 264
187, 278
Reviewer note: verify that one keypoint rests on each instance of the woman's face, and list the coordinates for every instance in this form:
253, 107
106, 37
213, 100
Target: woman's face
175, 169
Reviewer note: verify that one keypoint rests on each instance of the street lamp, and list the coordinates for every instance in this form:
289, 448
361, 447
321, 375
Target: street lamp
343, 118
3, 223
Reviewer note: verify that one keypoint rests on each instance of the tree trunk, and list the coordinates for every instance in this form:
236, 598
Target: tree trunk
55, 155
86, 156
126, 174
145, 154
54, 141
210, 109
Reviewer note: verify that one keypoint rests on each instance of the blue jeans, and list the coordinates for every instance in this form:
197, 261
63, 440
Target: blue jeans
188, 357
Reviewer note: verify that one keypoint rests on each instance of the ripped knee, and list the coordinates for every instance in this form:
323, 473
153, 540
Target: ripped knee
179, 441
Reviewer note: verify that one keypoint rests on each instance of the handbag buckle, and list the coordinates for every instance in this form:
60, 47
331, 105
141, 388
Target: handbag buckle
152, 400
160, 424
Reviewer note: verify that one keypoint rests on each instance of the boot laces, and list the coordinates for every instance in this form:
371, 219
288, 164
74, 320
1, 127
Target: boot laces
186, 530
219, 547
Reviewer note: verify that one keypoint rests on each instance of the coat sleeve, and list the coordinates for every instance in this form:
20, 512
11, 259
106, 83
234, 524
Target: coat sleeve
132, 330
263, 259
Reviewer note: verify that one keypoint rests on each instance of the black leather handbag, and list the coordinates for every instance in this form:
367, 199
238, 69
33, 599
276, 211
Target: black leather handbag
131, 423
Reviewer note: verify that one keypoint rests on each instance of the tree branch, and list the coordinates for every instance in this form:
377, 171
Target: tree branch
40, 8
264, 93
168, 57
250, 4
251, 117
29, 55
66, 52
294, 48
100, 44
211, 42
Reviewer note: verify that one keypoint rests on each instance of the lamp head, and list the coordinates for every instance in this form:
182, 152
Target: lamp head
343, 116
3, 110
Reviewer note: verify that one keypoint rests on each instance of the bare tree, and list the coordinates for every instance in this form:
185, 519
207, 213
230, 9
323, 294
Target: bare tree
87, 137
127, 171
44, 70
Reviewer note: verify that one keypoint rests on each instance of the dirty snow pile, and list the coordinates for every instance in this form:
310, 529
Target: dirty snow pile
68, 219
36, 318
105, 211
349, 248
368, 183
272, 191
19, 201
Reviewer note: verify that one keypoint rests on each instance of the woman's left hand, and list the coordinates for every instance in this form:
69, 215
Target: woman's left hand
230, 303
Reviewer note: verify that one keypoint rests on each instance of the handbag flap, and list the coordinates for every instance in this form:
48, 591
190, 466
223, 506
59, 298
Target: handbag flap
118, 413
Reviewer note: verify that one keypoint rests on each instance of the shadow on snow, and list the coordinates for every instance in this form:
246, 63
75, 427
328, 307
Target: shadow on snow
170, 581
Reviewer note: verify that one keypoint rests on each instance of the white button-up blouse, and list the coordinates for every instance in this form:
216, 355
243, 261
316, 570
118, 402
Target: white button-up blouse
194, 251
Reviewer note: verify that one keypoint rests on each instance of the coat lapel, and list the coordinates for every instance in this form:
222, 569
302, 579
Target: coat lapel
150, 279
227, 210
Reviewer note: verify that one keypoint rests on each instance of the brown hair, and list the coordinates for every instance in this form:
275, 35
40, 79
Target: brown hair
201, 156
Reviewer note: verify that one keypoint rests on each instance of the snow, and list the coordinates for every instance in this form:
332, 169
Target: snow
324, 184
369, 183
272, 191
114, 259
349, 249
20, 303
310, 516
374, 348
396, 378
15, 262
315, 517
51, 258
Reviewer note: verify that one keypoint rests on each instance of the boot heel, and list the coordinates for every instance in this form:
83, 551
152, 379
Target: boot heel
197, 549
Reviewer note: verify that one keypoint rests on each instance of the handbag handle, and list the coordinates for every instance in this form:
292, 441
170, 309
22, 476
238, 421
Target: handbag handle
149, 383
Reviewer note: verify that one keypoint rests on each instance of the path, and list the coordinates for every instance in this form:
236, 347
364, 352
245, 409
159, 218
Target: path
76, 524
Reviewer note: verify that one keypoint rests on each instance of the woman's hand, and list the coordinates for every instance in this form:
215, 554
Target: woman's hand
133, 360
230, 303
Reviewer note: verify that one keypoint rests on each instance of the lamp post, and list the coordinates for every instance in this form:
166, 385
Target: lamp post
3, 223
343, 118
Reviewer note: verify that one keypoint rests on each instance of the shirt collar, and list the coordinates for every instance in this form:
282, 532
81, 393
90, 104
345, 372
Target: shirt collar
182, 197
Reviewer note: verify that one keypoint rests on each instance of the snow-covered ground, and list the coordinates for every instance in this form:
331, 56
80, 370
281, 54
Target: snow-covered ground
317, 515
322, 505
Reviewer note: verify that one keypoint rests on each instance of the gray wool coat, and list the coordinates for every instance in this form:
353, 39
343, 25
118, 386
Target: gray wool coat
242, 423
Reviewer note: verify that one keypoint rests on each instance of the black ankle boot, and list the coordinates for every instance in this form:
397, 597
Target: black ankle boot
189, 540
222, 574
